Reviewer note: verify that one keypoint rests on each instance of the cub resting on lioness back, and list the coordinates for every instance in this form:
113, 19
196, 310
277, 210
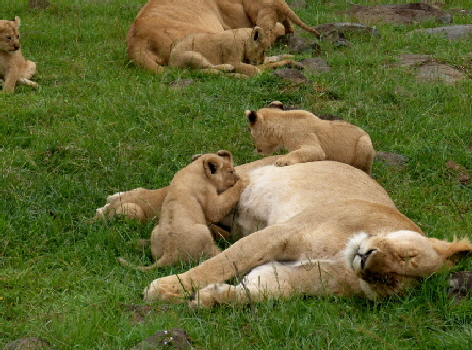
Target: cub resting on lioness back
235, 50
323, 228
160, 24
201, 193
308, 138
14, 68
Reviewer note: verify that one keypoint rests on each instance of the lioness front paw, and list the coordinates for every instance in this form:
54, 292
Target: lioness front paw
204, 298
165, 289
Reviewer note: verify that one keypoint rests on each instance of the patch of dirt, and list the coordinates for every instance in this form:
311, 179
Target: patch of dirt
462, 175
31, 343
397, 13
139, 313
461, 285
392, 159
174, 338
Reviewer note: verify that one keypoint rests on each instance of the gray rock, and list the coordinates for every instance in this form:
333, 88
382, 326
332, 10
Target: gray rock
408, 60
31, 343
315, 64
461, 285
439, 72
462, 31
174, 338
348, 31
395, 160
294, 75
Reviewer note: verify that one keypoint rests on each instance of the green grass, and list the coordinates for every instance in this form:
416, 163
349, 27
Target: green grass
98, 125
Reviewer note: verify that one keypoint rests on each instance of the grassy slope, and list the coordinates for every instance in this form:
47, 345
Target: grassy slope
98, 125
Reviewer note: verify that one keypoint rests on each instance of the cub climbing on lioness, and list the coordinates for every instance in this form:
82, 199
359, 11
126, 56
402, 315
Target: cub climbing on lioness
14, 68
234, 50
201, 193
308, 138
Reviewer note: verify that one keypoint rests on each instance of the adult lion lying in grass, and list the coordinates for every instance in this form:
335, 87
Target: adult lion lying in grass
317, 228
160, 24
234, 50
14, 68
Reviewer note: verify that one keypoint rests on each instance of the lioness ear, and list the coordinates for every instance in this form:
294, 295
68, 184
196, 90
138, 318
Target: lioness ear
211, 166
451, 251
226, 155
196, 156
257, 34
251, 117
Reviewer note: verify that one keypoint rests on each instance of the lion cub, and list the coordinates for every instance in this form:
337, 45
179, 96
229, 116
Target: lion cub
14, 68
308, 138
237, 50
201, 193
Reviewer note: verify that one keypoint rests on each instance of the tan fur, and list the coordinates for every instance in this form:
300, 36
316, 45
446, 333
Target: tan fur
160, 24
14, 68
235, 50
308, 138
201, 193
324, 228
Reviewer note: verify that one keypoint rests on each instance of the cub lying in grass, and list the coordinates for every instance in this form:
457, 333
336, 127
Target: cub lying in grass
201, 193
14, 68
237, 50
308, 138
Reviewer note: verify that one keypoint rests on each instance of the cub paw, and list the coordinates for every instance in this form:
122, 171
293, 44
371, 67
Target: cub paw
282, 162
224, 67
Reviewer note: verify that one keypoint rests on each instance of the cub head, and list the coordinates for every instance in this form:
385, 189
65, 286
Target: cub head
218, 169
256, 47
262, 134
9, 35
388, 263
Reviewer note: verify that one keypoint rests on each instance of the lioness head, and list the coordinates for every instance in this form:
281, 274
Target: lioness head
218, 169
9, 35
256, 47
388, 263
264, 139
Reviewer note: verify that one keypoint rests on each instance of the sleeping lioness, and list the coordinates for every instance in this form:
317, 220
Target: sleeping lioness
14, 68
309, 138
235, 50
317, 228
160, 24
201, 193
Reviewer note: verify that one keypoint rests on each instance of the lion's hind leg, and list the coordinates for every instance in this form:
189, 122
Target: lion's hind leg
194, 59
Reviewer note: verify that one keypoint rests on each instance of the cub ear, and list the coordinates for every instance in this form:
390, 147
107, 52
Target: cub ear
251, 117
451, 251
196, 156
257, 34
17, 21
276, 104
226, 155
211, 166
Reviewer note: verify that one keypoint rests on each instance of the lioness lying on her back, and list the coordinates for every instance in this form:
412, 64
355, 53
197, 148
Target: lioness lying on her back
235, 50
14, 68
201, 193
308, 138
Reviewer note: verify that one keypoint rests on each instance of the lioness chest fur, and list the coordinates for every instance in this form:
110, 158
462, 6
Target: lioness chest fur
201, 193
14, 68
308, 138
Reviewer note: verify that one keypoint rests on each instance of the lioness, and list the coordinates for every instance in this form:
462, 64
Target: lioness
309, 138
322, 228
160, 24
14, 68
203, 192
237, 50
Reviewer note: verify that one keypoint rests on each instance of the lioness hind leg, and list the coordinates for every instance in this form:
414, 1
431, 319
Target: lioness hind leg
364, 155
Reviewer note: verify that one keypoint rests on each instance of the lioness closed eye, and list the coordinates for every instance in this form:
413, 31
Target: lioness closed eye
14, 68
308, 138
